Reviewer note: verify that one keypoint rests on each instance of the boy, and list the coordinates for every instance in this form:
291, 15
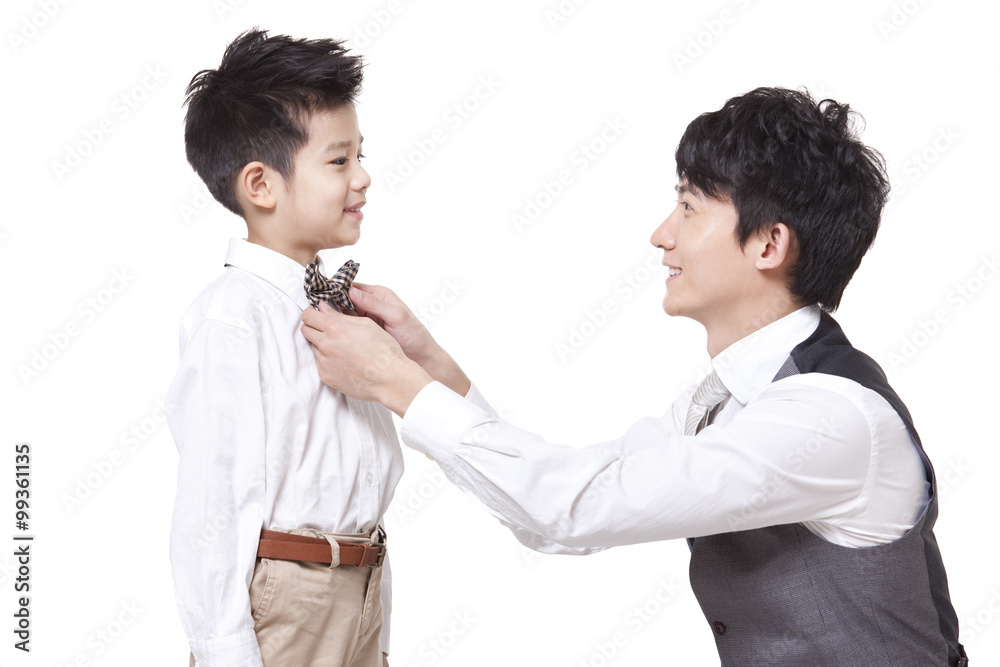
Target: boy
794, 469
276, 549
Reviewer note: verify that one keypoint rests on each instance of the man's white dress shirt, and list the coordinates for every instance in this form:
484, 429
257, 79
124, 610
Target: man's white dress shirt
263, 443
812, 448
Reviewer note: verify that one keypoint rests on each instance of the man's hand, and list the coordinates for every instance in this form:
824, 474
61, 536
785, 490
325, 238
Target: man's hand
388, 310
383, 306
356, 357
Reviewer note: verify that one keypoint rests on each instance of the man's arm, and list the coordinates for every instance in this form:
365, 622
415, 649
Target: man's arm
355, 356
215, 414
383, 306
654, 483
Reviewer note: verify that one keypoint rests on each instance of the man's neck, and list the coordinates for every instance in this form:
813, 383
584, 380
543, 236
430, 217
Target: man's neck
730, 329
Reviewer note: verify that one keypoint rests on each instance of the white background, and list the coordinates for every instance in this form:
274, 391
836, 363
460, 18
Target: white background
922, 74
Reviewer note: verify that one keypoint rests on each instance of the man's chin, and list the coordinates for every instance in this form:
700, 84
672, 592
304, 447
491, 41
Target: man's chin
674, 309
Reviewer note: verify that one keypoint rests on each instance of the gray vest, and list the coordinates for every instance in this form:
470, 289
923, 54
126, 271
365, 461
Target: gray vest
783, 596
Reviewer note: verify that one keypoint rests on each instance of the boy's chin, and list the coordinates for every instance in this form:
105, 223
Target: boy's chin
343, 241
352, 234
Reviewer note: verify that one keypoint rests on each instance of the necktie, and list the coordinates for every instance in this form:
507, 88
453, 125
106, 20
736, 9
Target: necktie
332, 290
710, 393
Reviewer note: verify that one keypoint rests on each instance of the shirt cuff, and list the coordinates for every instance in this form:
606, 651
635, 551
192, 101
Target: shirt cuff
479, 400
239, 650
438, 419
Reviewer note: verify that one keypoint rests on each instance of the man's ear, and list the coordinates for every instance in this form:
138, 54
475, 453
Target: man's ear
257, 185
776, 247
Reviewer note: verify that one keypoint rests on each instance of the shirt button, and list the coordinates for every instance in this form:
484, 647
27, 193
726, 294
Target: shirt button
370, 479
719, 628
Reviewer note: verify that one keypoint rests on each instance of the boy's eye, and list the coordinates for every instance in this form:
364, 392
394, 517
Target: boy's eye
361, 156
343, 160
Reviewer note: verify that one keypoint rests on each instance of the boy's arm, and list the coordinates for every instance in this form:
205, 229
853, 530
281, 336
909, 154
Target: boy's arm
215, 413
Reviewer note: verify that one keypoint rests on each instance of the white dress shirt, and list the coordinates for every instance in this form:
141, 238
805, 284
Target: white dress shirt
263, 443
812, 448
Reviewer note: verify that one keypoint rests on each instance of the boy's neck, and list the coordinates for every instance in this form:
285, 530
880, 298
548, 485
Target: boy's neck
302, 255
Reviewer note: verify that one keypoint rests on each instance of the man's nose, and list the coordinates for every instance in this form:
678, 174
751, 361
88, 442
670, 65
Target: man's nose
663, 235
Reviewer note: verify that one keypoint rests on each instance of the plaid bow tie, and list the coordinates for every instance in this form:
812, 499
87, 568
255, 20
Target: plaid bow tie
332, 290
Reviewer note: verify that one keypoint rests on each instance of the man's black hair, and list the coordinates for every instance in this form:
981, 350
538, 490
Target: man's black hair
256, 105
779, 156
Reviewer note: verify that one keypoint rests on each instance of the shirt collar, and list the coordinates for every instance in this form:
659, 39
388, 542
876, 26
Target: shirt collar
751, 363
271, 266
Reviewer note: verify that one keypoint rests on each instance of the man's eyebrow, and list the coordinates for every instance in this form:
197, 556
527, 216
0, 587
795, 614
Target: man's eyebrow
687, 188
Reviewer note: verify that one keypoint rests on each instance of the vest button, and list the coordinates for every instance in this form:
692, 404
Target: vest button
962, 662
719, 628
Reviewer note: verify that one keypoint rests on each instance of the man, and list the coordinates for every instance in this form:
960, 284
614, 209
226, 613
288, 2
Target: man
794, 469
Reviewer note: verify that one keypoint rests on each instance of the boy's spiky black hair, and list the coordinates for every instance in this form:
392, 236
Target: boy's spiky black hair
255, 106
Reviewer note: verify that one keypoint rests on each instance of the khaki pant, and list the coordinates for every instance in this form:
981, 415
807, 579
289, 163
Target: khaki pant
317, 615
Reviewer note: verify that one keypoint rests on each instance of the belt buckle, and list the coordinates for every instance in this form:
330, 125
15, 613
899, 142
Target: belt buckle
380, 532
368, 548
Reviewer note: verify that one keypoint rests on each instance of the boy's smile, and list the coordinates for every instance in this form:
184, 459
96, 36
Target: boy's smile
320, 205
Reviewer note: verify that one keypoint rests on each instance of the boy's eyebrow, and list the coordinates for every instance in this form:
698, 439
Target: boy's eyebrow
335, 146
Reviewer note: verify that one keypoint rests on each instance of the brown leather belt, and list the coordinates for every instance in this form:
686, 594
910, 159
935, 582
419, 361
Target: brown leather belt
287, 546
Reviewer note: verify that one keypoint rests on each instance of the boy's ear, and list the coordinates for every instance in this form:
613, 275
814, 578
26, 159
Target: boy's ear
257, 184
776, 248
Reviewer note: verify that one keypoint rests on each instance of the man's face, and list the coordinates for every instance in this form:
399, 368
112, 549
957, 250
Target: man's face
322, 201
708, 270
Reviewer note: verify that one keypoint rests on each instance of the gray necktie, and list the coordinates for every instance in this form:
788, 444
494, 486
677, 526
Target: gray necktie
709, 394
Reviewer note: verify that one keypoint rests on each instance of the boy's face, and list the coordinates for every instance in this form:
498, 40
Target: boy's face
320, 206
710, 275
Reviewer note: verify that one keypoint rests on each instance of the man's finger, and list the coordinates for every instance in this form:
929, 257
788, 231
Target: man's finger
318, 318
314, 336
370, 305
380, 291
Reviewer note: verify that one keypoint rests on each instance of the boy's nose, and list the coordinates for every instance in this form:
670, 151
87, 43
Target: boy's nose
362, 180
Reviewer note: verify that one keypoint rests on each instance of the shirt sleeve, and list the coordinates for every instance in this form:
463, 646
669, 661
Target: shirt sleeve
526, 537
794, 453
215, 413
